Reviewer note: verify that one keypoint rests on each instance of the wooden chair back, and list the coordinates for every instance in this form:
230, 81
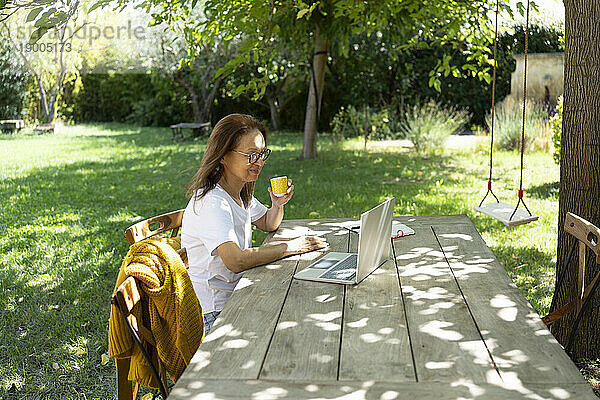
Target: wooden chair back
127, 297
587, 233
588, 236
155, 225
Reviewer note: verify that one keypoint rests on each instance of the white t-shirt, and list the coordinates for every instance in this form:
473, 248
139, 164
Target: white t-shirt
208, 223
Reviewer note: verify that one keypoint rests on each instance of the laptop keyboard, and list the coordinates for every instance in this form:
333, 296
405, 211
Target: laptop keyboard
345, 270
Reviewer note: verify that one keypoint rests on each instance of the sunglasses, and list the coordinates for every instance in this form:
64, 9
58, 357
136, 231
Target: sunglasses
253, 157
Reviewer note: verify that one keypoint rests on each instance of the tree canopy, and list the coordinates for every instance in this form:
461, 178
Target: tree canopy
317, 31
322, 29
262, 28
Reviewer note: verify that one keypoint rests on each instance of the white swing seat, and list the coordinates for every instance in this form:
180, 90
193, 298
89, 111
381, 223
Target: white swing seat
502, 212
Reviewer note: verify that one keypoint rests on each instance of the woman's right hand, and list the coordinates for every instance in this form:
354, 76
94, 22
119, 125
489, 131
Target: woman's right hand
305, 244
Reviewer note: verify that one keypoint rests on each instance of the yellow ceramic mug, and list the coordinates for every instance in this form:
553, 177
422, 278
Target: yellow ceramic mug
279, 185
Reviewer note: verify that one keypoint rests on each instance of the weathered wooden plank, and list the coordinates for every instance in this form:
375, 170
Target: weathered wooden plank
521, 345
429, 220
405, 219
194, 389
445, 341
191, 125
375, 343
305, 345
238, 342
503, 212
236, 345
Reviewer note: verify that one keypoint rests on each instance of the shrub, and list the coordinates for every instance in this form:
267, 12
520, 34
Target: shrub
428, 126
142, 99
14, 80
556, 127
544, 140
508, 123
380, 72
351, 121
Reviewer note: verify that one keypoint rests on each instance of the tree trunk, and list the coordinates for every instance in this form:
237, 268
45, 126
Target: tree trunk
313, 104
53, 97
202, 100
274, 110
49, 117
45, 114
208, 98
580, 165
183, 78
195, 104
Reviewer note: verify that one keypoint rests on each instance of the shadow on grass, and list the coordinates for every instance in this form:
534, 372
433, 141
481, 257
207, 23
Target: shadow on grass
545, 191
61, 241
62, 244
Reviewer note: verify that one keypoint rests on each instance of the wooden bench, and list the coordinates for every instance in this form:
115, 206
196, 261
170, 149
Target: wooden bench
42, 128
12, 124
177, 129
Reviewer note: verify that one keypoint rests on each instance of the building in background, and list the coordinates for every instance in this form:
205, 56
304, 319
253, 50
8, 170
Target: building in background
544, 78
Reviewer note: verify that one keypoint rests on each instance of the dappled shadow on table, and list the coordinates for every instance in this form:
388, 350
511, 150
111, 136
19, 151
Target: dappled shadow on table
447, 323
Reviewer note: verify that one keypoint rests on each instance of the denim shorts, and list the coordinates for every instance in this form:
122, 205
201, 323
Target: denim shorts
209, 320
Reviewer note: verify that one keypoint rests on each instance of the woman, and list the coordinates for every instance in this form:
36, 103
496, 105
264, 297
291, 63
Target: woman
216, 230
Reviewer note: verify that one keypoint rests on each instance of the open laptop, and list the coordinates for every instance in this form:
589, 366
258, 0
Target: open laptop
374, 248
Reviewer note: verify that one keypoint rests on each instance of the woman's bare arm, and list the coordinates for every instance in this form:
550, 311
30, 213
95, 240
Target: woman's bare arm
238, 260
271, 220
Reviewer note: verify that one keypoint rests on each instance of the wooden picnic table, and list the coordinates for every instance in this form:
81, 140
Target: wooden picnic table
12, 124
442, 320
177, 129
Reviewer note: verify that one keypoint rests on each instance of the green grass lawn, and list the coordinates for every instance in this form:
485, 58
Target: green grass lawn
65, 200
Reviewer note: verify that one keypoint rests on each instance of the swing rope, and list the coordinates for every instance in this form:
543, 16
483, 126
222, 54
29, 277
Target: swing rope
520, 193
493, 109
493, 112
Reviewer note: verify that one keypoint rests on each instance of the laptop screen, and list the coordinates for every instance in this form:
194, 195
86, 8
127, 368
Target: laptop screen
374, 243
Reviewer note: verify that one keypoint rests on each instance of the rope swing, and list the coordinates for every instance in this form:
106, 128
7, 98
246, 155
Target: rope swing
505, 213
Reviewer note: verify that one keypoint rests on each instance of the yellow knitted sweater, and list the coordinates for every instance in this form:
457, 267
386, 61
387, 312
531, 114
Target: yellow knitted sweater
175, 314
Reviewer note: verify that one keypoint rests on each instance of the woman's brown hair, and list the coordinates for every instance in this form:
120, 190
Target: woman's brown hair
224, 137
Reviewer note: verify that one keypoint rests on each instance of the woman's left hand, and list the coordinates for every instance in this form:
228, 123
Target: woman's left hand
282, 200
